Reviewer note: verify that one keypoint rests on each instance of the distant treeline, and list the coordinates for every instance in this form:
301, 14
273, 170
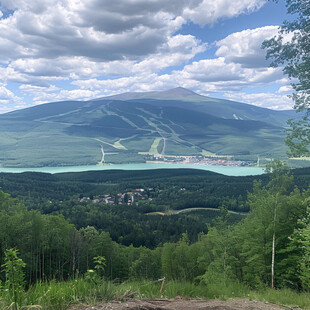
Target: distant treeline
35, 186
202, 188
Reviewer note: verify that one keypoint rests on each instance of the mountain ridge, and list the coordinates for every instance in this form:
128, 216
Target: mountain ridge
110, 130
178, 92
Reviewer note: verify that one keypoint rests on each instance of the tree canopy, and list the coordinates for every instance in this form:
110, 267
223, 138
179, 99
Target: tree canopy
291, 49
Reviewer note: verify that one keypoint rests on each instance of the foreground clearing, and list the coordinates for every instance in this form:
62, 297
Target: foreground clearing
184, 304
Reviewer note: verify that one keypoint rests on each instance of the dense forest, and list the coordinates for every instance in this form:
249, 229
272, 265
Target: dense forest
80, 198
63, 243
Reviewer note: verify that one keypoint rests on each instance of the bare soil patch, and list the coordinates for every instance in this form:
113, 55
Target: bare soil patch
183, 304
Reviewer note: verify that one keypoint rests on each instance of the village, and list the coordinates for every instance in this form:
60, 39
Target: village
199, 160
129, 198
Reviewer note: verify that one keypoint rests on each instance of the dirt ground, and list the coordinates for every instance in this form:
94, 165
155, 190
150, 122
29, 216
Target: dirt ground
183, 304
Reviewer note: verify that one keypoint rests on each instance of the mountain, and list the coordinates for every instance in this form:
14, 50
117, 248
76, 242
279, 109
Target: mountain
133, 127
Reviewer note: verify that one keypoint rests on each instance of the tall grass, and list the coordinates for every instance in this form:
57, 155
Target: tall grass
173, 289
61, 295
285, 297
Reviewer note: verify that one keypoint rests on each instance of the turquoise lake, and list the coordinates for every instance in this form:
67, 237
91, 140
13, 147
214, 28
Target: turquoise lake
227, 170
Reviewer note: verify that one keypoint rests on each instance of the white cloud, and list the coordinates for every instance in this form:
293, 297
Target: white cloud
264, 100
177, 50
209, 11
6, 94
227, 73
64, 95
113, 86
219, 75
100, 30
32, 89
108, 47
155, 82
34, 5
8, 100
54, 93
285, 89
211, 70
103, 30
264, 76
245, 47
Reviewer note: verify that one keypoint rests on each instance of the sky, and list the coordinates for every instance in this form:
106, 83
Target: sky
55, 50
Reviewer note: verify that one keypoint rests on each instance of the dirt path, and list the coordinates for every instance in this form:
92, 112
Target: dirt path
102, 158
209, 209
107, 143
164, 147
183, 304
170, 212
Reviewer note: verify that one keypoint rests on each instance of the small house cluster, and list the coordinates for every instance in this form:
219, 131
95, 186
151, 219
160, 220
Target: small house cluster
128, 198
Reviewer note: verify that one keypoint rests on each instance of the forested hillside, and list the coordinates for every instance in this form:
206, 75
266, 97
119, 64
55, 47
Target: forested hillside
139, 128
61, 239
143, 208
54, 248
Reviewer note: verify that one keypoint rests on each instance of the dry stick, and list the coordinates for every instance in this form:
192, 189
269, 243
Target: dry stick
13, 283
273, 242
162, 285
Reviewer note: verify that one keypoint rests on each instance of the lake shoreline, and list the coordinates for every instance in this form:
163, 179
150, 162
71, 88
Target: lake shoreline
226, 170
